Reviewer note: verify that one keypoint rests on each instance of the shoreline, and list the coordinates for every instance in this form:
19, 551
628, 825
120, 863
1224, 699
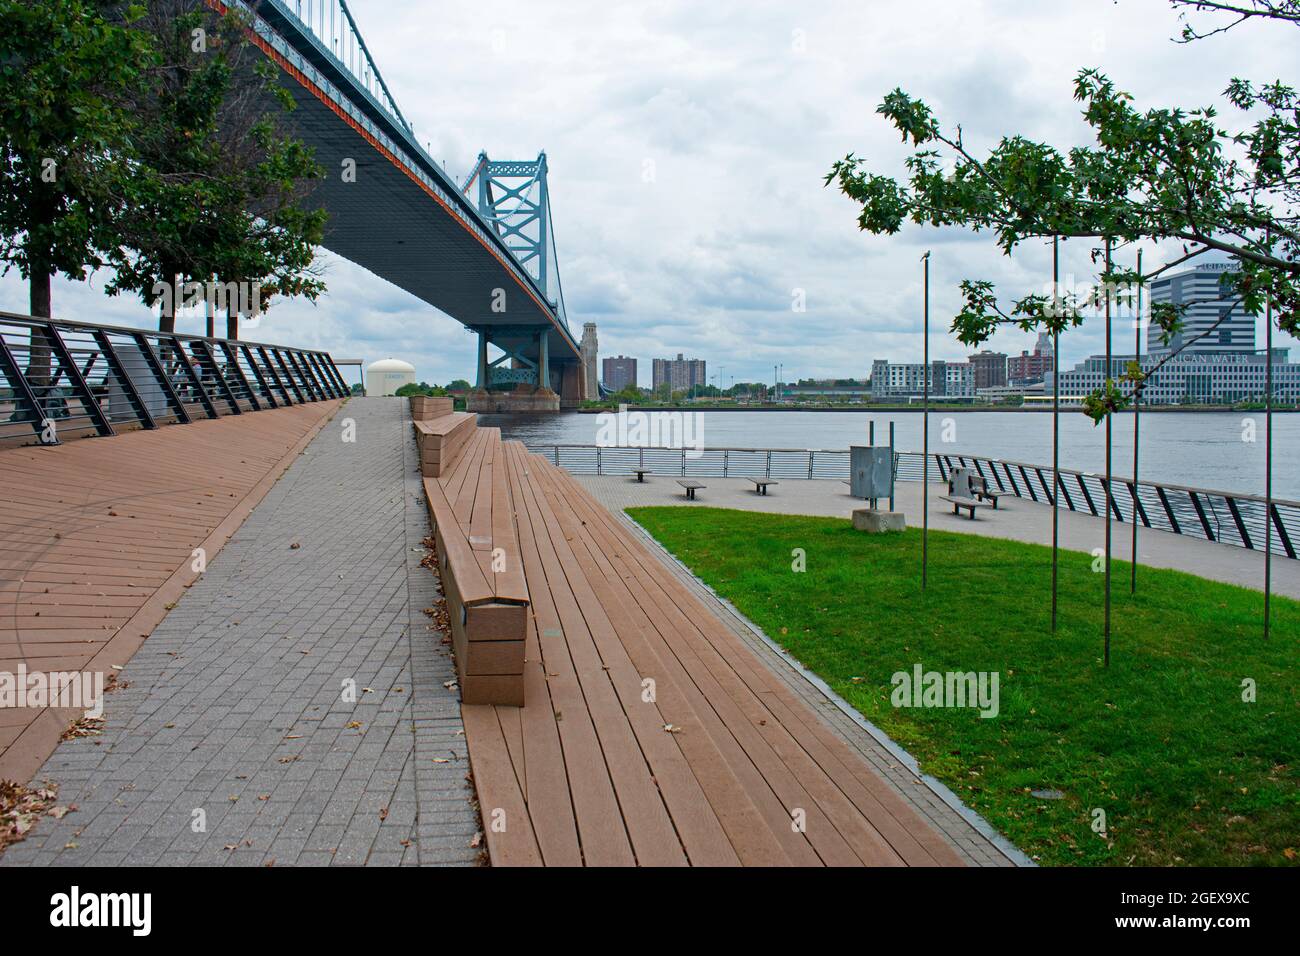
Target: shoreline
870, 409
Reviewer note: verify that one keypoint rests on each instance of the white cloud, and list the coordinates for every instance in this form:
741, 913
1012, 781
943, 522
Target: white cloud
742, 107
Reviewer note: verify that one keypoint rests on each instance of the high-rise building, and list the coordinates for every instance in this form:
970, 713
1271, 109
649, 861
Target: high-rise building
1198, 288
681, 374
1030, 367
990, 369
618, 372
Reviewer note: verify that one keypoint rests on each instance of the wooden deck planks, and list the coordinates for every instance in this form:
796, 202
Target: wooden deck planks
707, 772
891, 820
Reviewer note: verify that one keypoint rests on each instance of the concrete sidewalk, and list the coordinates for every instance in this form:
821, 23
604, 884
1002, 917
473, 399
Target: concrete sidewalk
233, 711
1016, 518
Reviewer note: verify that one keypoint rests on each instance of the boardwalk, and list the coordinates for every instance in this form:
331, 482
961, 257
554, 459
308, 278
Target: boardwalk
654, 735
98, 538
235, 706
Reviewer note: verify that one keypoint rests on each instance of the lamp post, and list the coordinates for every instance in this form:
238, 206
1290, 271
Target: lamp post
925, 424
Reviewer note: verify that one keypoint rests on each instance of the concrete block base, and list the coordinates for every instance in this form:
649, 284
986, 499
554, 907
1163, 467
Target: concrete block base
520, 400
878, 522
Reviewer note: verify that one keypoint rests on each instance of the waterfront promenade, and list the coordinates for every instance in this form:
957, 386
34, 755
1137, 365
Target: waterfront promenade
234, 713
1018, 519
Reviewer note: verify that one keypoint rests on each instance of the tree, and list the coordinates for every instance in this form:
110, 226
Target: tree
63, 129
1155, 174
218, 198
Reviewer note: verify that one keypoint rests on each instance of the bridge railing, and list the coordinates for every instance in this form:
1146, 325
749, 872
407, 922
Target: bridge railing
1226, 517
61, 379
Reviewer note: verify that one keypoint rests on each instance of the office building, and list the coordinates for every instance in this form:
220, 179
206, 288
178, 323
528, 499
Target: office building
1198, 288
907, 379
990, 369
1192, 377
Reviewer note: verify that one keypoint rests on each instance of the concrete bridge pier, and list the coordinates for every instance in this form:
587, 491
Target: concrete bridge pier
524, 387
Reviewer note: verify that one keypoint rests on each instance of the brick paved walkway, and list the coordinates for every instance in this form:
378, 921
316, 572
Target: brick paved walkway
234, 706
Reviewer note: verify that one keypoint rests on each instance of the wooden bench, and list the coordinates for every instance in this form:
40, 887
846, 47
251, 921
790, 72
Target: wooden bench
428, 407
482, 571
691, 486
441, 440
970, 504
761, 484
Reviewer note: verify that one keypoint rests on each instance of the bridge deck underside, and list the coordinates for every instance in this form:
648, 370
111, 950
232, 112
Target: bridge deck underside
388, 223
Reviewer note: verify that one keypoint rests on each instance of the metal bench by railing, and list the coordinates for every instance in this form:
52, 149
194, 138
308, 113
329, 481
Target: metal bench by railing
1226, 517
60, 378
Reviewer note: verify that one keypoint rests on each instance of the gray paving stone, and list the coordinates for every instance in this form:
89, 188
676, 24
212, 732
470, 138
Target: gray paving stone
247, 670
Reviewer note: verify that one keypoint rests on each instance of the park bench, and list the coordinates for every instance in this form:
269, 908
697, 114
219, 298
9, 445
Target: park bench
761, 484
641, 473
441, 440
981, 490
970, 504
482, 571
691, 486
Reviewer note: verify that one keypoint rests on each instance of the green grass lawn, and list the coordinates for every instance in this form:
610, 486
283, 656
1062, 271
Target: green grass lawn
1162, 741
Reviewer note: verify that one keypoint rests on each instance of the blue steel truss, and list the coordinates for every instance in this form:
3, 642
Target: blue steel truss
513, 198
329, 29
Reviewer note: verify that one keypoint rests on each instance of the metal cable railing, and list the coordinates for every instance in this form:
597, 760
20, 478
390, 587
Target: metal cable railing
1226, 517
62, 379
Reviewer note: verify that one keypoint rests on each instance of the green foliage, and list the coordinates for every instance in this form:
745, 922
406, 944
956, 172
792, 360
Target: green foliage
1154, 174
218, 187
1187, 772
65, 71
421, 388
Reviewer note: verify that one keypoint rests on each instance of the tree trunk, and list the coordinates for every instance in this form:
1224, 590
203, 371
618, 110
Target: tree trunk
40, 352
232, 323
167, 312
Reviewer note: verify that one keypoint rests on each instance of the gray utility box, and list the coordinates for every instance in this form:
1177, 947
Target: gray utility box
871, 471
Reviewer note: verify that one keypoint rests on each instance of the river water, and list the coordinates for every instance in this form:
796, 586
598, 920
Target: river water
1223, 451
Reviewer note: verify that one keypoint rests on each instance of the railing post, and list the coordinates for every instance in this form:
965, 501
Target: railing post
102, 424
14, 373
811, 454
222, 385
724, 463
257, 373
232, 361
195, 382
160, 373
117, 368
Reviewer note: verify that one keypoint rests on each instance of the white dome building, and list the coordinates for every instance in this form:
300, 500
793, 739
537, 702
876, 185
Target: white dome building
386, 376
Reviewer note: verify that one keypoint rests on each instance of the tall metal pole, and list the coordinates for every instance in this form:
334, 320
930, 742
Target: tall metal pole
925, 429
1268, 464
1056, 420
1109, 421
1137, 418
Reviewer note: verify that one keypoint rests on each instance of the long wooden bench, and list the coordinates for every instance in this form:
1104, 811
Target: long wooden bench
651, 733
441, 440
482, 572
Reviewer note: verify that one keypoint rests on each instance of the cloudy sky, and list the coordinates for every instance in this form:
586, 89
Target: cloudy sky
738, 108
